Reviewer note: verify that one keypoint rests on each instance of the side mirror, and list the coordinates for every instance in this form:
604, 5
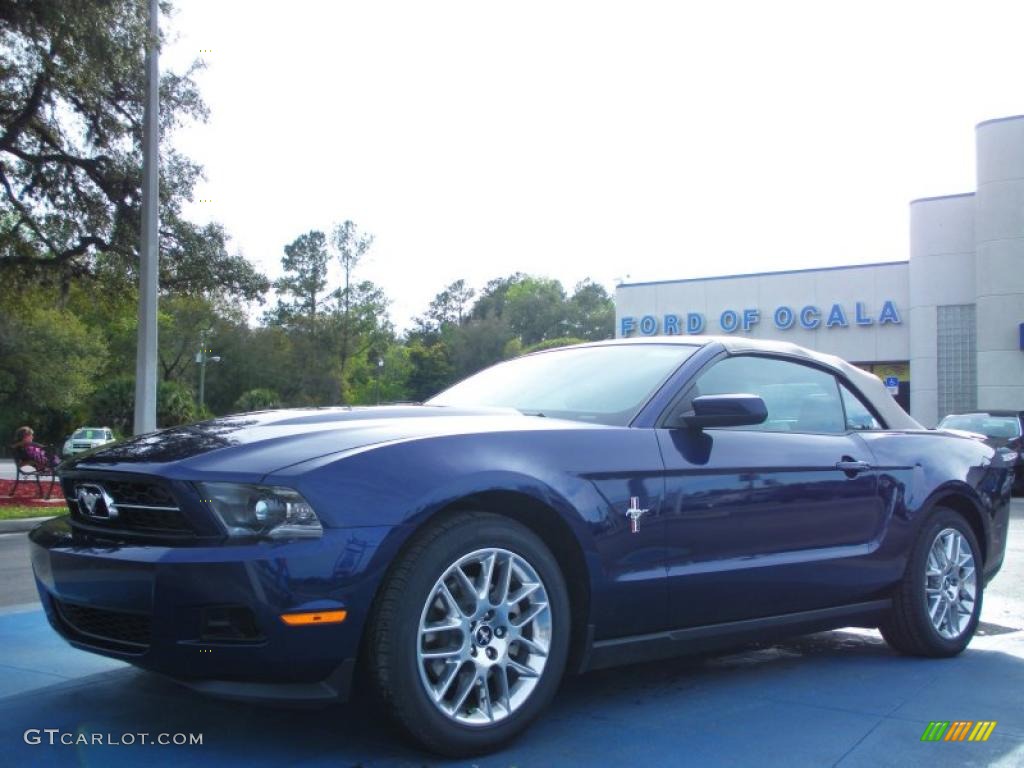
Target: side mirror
724, 411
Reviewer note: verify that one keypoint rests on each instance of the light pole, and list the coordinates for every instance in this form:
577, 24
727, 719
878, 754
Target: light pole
149, 255
203, 357
380, 372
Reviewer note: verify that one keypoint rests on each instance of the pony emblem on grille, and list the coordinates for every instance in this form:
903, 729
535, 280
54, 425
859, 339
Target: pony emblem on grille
95, 502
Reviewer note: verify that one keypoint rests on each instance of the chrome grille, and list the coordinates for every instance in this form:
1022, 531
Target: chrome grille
144, 507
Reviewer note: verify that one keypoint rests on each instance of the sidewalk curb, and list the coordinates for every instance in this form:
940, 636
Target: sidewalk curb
22, 525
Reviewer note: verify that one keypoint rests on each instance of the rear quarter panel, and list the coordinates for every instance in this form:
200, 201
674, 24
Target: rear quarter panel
921, 469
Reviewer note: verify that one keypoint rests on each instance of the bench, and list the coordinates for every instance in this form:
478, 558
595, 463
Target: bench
24, 469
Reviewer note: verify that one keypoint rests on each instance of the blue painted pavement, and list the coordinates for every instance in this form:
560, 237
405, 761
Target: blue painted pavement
837, 698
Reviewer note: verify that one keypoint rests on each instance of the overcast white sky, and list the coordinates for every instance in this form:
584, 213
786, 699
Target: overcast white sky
655, 140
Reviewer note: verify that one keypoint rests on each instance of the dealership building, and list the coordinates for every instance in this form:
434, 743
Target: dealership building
944, 329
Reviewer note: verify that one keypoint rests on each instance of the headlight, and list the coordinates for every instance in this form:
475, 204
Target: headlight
261, 510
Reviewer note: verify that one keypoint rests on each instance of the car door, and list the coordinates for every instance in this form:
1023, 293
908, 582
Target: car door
772, 518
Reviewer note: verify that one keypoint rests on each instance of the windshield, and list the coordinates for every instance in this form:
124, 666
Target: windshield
89, 434
1005, 427
605, 385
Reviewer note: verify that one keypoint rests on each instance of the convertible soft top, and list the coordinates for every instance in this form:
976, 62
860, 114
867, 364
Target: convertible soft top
868, 384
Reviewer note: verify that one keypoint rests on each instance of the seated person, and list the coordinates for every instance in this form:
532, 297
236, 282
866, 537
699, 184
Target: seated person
28, 452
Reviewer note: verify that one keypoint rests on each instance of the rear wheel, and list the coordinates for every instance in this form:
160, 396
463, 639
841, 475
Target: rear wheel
470, 635
936, 607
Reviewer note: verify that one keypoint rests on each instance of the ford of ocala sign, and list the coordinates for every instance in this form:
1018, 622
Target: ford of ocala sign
784, 317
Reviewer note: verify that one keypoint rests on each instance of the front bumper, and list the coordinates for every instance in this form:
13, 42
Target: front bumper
152, 606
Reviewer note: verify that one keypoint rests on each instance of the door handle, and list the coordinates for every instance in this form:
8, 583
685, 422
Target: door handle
852, 466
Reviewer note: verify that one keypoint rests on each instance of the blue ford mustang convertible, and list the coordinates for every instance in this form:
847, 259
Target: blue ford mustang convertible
568, 510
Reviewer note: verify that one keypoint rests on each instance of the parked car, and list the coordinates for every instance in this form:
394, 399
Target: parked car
87, 438
1003, 430
564, 511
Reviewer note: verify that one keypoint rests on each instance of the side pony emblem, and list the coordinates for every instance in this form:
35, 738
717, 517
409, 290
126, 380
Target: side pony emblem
634, 513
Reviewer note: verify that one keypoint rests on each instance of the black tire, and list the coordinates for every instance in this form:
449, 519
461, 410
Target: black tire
909, 628
393, 636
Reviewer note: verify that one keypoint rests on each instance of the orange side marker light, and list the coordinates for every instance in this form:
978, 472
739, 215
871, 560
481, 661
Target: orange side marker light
313, 617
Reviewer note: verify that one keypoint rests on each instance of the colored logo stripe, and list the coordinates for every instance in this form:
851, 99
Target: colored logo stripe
982, 730
958, 730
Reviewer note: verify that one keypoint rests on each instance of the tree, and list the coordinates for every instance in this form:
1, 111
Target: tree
363, 330
71, 104
301, 297
591, 312
387, 383
431, 370
174, 404
185, 323
540, 346
492, 297
114, 403
448, 307
478, 344
350, 246
260, 358
49, 365
305, 265
260, 399
536, 310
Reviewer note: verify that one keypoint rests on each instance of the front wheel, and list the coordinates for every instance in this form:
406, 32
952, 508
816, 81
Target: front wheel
937, 605
470, 635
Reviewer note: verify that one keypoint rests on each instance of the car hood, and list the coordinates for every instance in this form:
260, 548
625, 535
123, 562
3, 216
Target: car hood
259, 443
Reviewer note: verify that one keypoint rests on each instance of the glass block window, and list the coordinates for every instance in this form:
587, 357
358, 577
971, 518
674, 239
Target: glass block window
957, 359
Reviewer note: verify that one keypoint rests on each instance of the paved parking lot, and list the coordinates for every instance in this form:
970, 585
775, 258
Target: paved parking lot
836, 698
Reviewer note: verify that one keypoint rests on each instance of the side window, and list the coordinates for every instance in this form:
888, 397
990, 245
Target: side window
799, 398
857, 414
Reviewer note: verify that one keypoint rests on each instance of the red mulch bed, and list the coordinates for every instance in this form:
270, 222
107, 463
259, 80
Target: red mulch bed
28, 495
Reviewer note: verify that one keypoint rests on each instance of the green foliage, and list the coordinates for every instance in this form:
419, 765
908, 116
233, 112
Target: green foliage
49, 365
382, 379
113, 404
71, 106
540, 346
174, 404
305, 280
185, 325
492, 299
512, 315
259, 399
536, 309
479, 344
449, 308
431, 371
591, 312
358, 305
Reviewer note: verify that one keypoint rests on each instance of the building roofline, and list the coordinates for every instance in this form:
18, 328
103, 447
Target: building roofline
999, 120
941, 197
762, 274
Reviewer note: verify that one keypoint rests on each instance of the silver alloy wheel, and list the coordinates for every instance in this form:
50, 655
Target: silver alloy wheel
484, 637
951, 583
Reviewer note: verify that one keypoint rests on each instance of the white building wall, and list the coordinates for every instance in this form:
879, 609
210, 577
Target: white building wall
871, 285
964, 250
999, 262
941, 273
